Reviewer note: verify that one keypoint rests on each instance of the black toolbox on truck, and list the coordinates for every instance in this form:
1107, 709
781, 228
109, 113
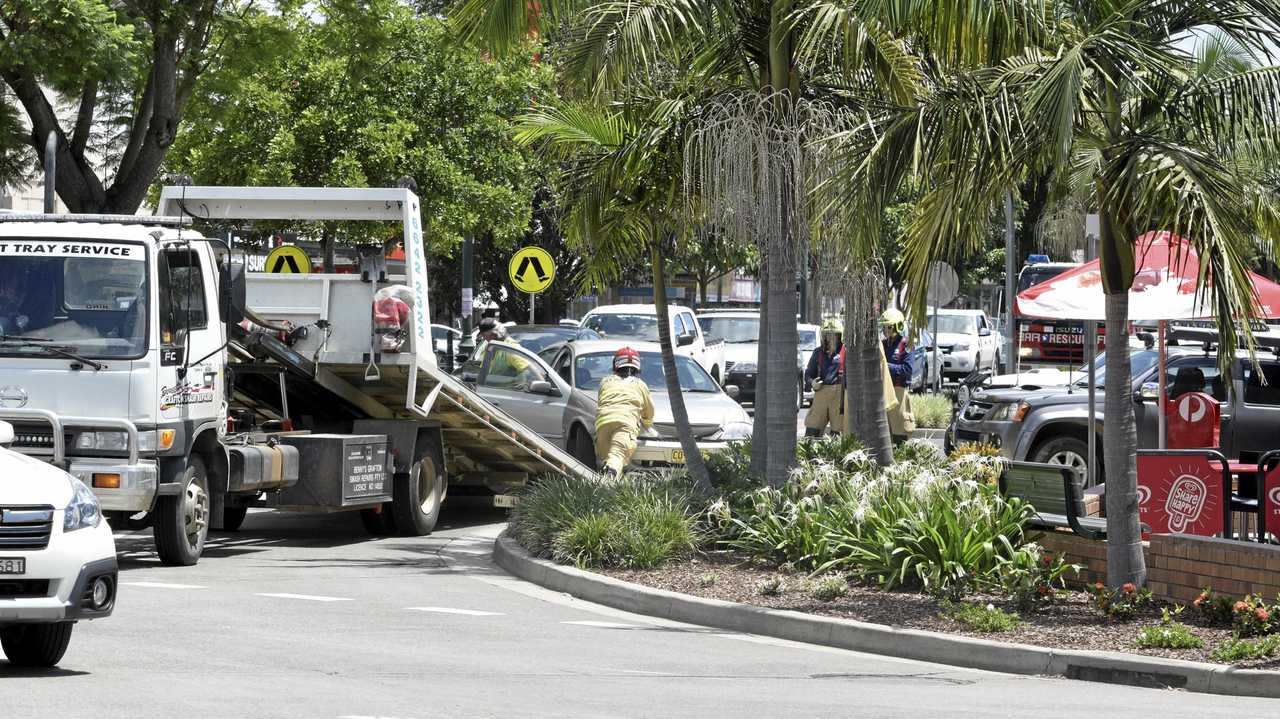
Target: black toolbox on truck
338, 470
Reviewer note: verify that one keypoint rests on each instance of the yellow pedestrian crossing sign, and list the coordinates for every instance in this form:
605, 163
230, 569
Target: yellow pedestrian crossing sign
289, 259
531, 270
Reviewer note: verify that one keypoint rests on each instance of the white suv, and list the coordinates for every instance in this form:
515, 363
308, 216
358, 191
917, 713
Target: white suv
57, 558
965, 341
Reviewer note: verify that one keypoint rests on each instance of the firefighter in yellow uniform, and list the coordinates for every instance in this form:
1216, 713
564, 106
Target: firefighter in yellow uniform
826, 372
623, 409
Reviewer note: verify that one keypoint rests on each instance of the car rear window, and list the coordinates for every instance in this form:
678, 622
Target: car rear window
1262, 387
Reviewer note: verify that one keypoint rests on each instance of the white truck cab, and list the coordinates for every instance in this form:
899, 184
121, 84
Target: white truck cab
639, 323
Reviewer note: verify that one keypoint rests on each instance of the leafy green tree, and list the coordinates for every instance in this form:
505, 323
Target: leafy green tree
361, 97
710, 256
127, 69
1105, 98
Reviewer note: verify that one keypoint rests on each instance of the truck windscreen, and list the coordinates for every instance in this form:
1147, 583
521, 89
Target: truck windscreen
87, 297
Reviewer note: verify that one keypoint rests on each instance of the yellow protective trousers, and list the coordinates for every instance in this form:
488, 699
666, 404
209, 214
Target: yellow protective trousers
825, 410
616, 443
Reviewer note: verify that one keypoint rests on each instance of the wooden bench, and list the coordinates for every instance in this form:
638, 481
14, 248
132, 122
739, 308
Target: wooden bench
1054, 493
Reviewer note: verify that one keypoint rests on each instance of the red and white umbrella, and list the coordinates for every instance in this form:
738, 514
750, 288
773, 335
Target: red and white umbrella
1165, 287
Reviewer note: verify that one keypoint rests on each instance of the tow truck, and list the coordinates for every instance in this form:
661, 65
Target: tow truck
140, 356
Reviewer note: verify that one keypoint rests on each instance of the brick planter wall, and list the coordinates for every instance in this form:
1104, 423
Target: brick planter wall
1179, 566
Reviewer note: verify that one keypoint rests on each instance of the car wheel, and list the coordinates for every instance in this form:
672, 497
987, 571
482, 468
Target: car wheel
233, 517
419, 494
182, 520
582, 448
1065, 452
36, 645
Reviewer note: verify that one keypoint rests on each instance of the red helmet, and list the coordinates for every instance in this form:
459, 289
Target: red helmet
626, 357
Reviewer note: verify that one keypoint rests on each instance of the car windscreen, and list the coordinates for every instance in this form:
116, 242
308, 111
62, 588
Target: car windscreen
954, 324
1032, 276
733, 330
87, 297
641, 328
808, 340
1140, 363
590, 369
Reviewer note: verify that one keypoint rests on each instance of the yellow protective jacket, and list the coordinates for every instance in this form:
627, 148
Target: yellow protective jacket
624, 400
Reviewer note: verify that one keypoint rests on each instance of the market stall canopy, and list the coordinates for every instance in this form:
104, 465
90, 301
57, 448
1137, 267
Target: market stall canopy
1164, 287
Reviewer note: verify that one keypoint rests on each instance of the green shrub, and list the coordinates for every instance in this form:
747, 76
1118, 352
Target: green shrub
1242, 650
1123, 603
933, 526
730, 468
932, 411
708, 580
829, 588
919, 451
1215, 609
1169, 634
640, 521
843, 451
1031, 577
988, 619
771, 587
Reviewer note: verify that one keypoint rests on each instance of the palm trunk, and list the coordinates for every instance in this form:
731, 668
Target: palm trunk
759, 447
778, 358
692, 456
864, 393
1125, 562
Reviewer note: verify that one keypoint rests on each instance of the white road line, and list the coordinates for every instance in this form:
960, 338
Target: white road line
604, 625
451, 610
307, 597
161, 585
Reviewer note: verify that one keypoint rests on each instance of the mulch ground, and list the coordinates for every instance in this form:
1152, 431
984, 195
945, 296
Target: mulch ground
1072, 623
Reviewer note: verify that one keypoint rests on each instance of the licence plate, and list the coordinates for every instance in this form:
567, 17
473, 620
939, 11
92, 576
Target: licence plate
677, 456
13, 566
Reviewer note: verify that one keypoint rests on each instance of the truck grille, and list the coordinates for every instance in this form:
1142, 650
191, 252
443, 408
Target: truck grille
976, 410
728, 366
25, 527
15, 588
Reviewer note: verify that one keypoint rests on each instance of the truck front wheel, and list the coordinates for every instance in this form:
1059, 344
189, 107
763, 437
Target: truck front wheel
36, 645
182, 520
418, 497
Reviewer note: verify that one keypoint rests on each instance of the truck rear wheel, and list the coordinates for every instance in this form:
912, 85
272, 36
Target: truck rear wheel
36, 645
418, 497
182, 520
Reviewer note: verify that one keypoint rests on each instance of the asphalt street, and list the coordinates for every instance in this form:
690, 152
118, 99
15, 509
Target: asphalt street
306, 616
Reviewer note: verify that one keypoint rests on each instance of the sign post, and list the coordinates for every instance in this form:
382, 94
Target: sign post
531, 270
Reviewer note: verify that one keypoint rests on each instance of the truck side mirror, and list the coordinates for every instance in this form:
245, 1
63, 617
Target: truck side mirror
685, 339
232, 297
984, 332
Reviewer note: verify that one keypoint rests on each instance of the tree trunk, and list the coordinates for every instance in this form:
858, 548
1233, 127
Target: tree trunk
759, 428
864, 393
702, 291
327, 242
692, 456
1125, 562
778, 359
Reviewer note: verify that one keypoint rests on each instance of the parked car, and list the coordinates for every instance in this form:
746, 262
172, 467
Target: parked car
924, 375
809, 336
1049, 424
639, 323
540, 337
965, 341
57, 558
560, 403
739, 330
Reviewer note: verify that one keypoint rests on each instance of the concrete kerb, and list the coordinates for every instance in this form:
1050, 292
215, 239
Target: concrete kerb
924, 646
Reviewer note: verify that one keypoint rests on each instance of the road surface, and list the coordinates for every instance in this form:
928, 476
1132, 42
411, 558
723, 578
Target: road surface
305, 616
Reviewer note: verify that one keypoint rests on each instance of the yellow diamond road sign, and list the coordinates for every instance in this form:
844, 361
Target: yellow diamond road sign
289, 259
531, 270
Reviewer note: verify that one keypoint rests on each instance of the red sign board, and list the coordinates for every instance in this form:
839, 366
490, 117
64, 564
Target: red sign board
1180, 494
1271, 500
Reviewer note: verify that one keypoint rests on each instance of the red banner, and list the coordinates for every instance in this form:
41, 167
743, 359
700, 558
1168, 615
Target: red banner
1271, 501
1180, 494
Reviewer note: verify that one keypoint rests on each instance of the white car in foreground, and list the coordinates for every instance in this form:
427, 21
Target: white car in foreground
57, 558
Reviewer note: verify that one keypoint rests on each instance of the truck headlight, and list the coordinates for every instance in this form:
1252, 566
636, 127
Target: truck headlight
960, 347
1009, 412
743, 367
82, 511
733, 431
108, 441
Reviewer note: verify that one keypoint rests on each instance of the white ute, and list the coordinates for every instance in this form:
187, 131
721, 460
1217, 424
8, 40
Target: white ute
639, 323
57, 558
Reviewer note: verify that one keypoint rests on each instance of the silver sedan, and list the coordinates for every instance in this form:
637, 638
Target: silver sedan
555, 393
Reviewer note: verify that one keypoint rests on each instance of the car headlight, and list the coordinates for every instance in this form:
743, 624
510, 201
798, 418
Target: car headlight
733, 431
743, 367
82, 511
1009, 411
960, 347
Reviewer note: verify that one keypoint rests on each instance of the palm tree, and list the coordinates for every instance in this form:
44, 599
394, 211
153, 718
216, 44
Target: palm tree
750, 159
622, 190
1109, 102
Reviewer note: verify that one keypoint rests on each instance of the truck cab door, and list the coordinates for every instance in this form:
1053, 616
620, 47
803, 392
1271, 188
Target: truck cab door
190, 380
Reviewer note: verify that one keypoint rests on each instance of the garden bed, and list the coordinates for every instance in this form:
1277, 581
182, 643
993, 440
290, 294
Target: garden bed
1072, 623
